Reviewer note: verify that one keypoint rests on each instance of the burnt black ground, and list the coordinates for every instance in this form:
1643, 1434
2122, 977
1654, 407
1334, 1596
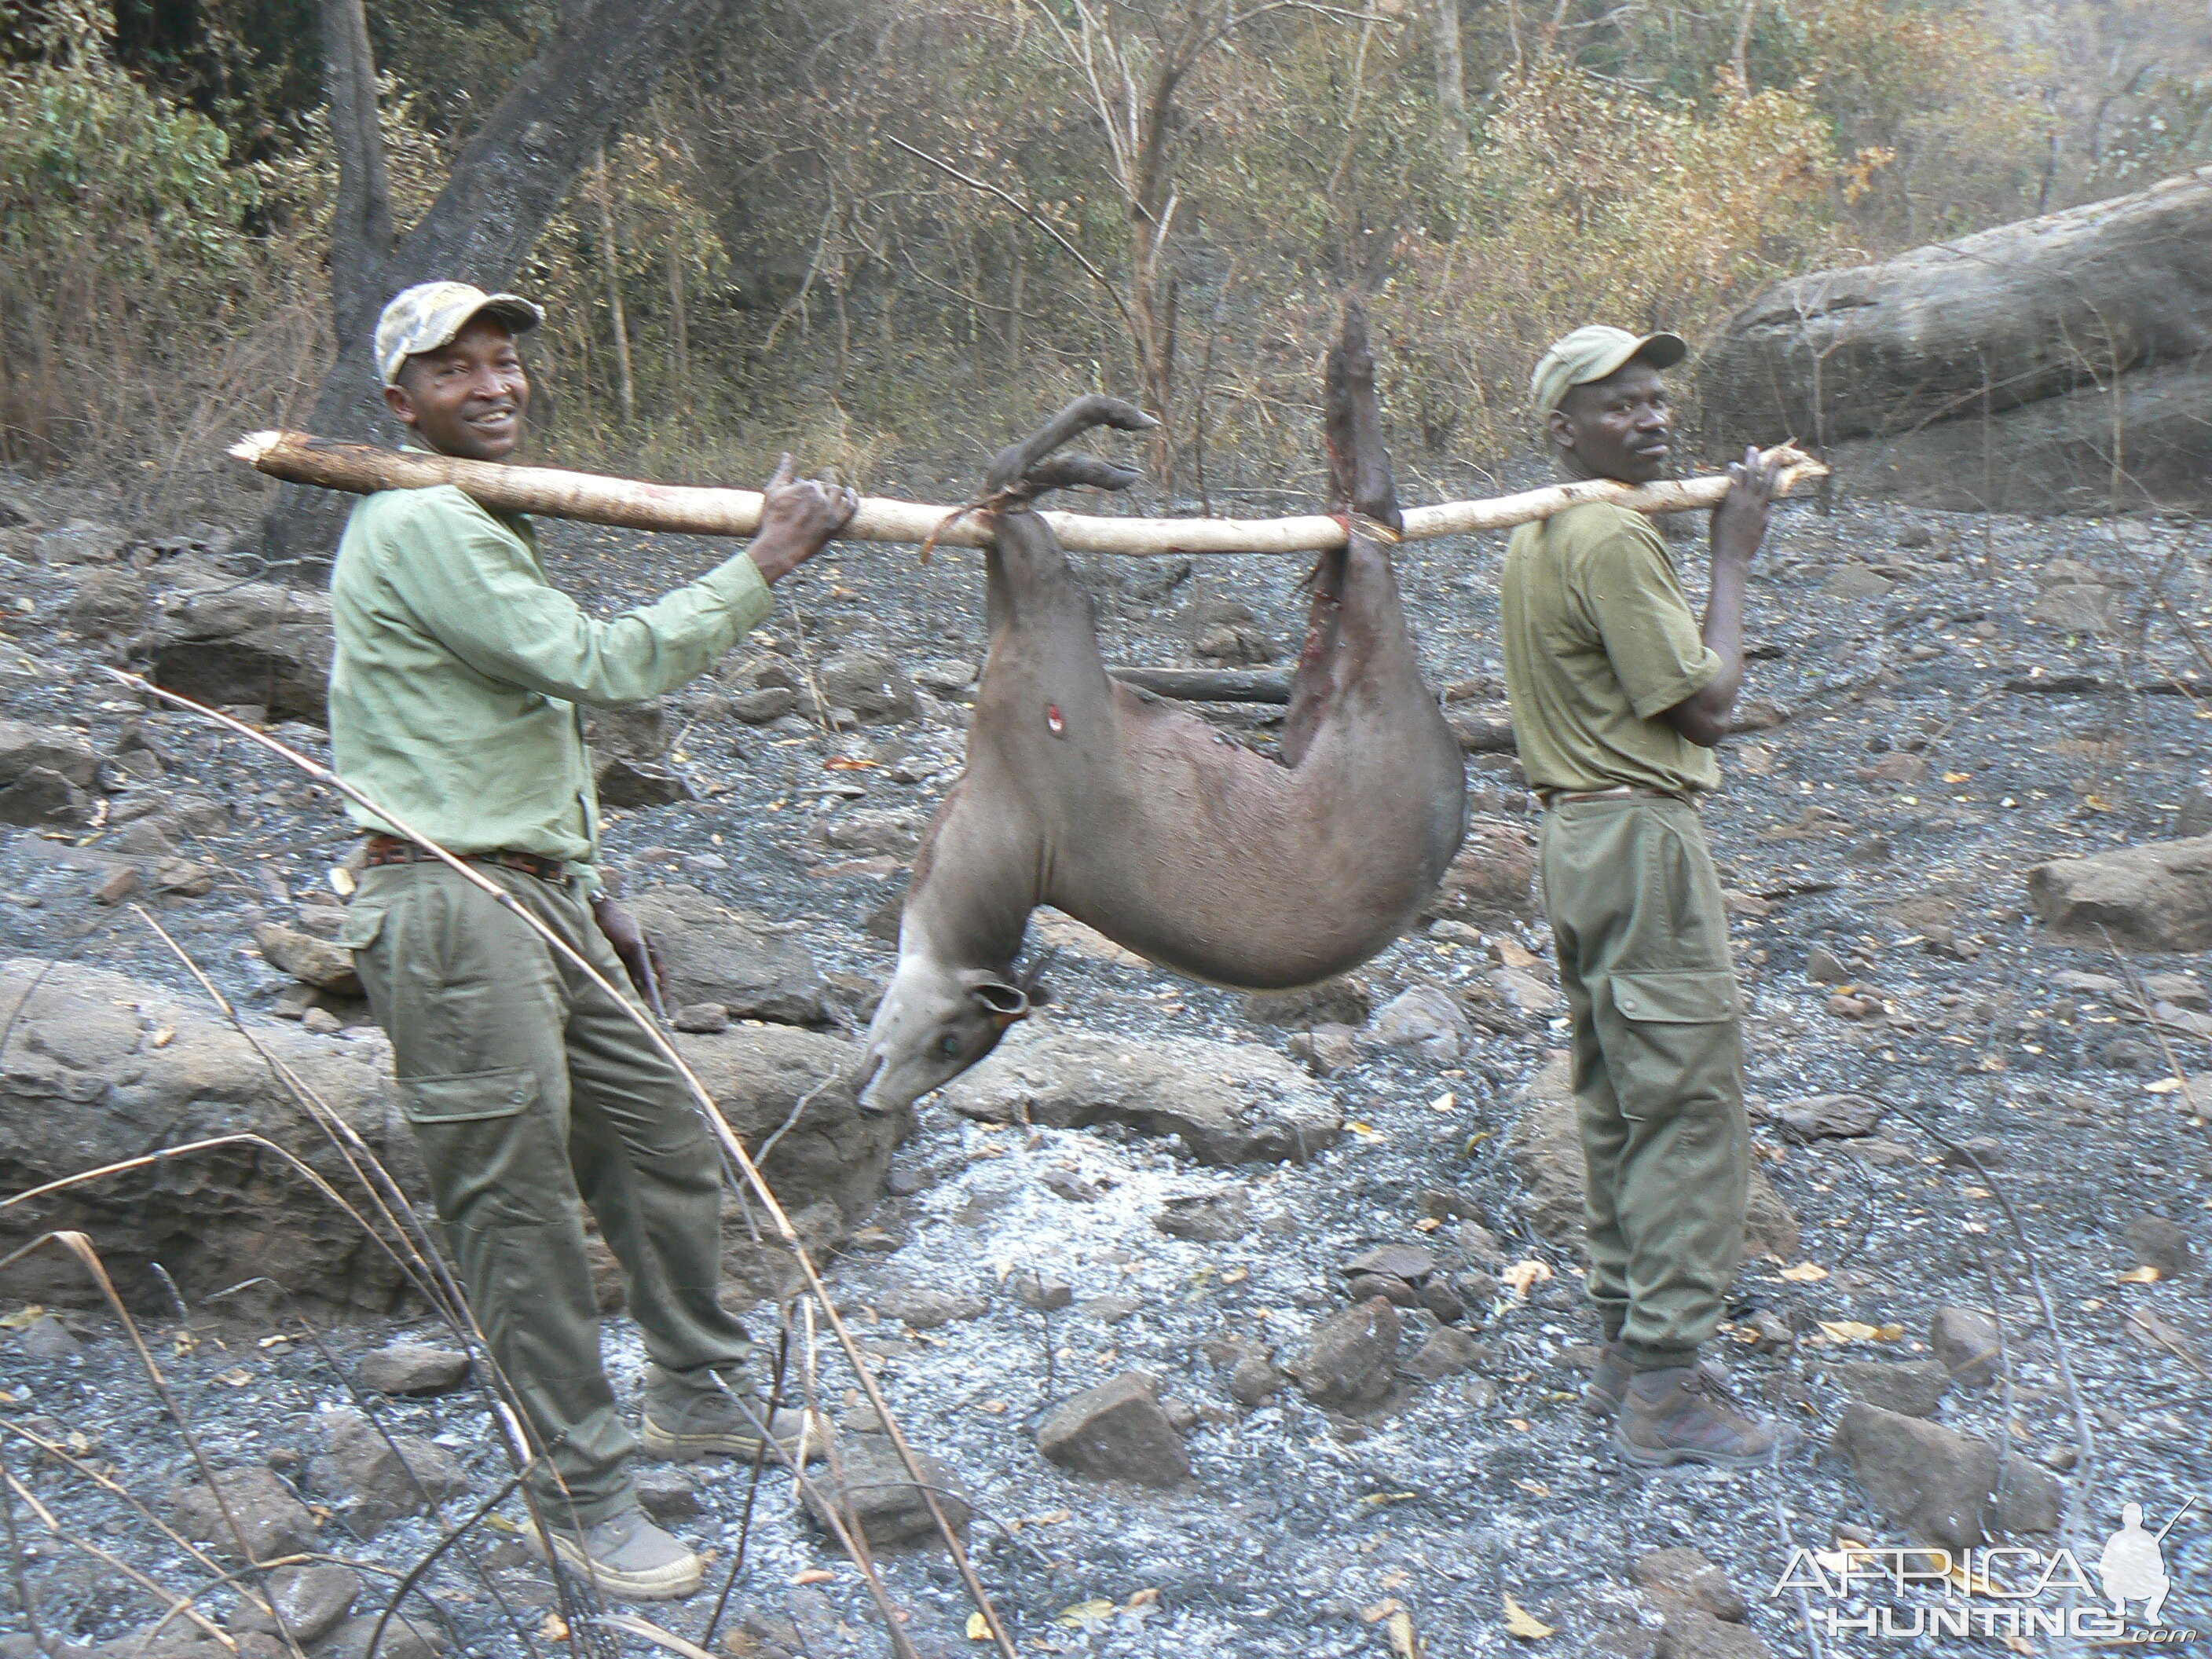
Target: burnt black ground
1476, 1488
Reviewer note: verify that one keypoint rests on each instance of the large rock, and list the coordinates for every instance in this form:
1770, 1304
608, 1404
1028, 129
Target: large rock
41, 796
243, 642
317, 962
1338, 1001
1229, 1102
715, 954
869, 1489
108, 602
1545, 1147
1993, 371
45, 775
83, 541
1817, 1118
101, 1068
833, 1151
2157, 897
1691, 1632
1352, 1357
411, 1368
371, 1479
1492, 879
1968, 1343
1940, 1486
1426, 1018
308, 1600
1116, 1431
255, 1509
1910, 1388
925, 1307
1218, 1217
400, 1638
631, 731
1682, 1576
869, 684
625, 784
24, 746
1483, 728
2161, 1243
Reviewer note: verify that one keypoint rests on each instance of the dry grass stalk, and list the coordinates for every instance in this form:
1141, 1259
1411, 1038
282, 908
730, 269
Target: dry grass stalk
733, 1148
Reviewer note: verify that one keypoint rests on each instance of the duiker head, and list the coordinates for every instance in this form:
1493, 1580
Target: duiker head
934, 1023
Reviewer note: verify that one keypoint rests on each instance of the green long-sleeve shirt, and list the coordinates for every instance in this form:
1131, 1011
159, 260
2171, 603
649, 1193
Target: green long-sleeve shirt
458, 669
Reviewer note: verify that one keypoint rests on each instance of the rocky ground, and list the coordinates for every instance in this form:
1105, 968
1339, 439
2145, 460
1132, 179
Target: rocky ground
1240, 1327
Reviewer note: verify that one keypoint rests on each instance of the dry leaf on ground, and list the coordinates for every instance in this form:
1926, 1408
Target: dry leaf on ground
1520, 1622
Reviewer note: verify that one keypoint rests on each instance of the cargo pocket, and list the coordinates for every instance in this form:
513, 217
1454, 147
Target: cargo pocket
468, 1097
492, 1162
1675, 1053
1676, 996
362, 926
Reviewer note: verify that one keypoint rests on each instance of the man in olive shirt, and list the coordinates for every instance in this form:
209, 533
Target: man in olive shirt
454, 694
1618, 697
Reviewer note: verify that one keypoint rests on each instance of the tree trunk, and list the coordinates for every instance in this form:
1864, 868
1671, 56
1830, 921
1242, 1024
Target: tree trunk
1963, 331
361, 224
617, 316
1451, 82
602, 62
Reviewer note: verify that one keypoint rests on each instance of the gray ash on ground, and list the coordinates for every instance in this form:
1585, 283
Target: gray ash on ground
1919, 758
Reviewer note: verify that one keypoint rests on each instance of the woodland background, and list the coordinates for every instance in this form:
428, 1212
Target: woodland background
885, 233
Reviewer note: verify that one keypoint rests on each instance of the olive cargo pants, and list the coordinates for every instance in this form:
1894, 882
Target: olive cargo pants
532, 1096
1642, 936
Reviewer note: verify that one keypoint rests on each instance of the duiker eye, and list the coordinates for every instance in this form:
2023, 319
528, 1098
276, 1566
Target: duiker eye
950, 1046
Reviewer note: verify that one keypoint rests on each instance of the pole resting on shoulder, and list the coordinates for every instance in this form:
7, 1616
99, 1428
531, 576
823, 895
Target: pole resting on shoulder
364, 469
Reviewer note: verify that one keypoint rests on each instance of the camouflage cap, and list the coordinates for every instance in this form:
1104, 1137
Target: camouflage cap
1591, 354
427, 315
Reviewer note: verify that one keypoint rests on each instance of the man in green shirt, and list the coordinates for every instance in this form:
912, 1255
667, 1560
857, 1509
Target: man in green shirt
1619, 698
454, 693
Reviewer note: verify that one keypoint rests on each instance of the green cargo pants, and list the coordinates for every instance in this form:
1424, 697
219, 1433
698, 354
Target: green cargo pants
532, 1096
1642, 936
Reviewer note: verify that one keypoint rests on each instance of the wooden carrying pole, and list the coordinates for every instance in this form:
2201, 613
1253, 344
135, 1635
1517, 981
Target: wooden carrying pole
361, 469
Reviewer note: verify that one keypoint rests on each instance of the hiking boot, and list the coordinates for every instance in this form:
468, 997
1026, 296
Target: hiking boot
627, 1556
1686, 1414
1609, 1381
681, 1421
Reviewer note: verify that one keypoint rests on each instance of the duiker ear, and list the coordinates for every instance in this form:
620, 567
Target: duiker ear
1005, 1004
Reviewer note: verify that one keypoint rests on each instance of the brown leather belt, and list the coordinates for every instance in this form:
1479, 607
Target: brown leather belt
1625, 792
390, 849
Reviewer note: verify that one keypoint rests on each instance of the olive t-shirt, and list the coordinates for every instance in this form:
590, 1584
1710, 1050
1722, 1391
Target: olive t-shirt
1599, 639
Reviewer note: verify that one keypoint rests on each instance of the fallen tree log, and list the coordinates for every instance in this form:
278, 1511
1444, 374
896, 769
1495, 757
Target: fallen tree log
361, 469
1207, 684
2077, 304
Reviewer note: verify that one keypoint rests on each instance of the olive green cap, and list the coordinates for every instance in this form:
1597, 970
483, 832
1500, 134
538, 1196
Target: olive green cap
429, 315
1591, 354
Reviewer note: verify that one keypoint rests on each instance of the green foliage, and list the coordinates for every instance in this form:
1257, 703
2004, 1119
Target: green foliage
1152, 198
134, 306
93, 166
1588, 203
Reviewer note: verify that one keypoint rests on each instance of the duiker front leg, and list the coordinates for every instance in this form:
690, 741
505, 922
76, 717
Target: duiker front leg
1044, 681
